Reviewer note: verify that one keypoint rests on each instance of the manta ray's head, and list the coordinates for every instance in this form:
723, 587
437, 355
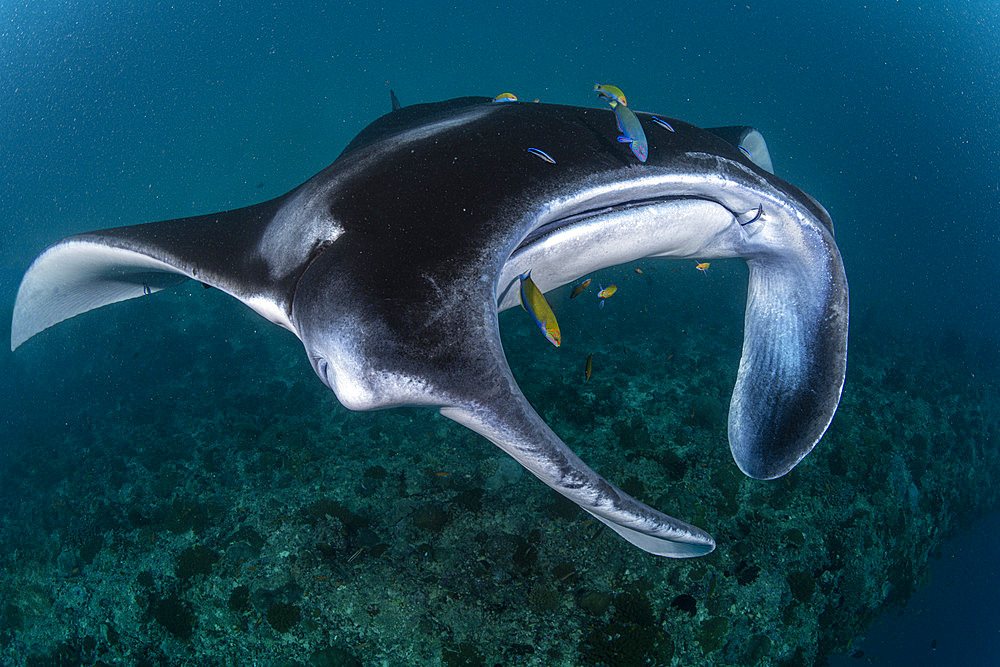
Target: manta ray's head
389, 318
709, 202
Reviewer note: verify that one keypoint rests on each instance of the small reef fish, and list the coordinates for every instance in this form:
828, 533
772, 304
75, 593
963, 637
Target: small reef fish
542, 154
505, 97
610, 93
606, 293
533, 301
579, 289
589, 369
631, 129
745, 152
703, 267
662, 123
639, 271
757, 215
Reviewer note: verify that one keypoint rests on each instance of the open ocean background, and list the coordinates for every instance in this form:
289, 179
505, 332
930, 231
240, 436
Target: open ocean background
117, 113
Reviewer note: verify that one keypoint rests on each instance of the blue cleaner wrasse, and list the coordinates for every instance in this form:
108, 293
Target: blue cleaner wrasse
610, 93
631, 129
505, 97
589, 368
533, 301
538, 152
752, 216
662, 123
578, 290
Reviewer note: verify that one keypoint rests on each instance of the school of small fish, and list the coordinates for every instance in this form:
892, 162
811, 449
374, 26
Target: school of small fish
532, 299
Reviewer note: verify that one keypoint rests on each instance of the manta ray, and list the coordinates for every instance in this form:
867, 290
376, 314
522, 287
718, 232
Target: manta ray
391, 265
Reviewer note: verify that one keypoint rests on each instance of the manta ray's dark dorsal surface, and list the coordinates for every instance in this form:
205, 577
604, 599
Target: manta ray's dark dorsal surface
391, 264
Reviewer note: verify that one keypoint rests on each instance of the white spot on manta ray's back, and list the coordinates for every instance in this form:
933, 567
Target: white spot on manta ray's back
301, 223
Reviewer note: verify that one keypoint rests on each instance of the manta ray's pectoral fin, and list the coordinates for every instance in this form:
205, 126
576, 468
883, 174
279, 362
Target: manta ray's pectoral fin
88, 271
512, 424
77, 275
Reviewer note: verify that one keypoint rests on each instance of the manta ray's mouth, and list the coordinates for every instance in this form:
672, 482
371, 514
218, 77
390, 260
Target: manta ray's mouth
570, 239
560, 223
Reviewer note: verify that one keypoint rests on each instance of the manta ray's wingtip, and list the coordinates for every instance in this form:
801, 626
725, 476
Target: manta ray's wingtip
17, 338
81, 273
513, 425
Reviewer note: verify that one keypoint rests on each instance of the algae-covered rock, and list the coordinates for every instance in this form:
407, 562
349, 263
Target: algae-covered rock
712, 633
185, 515
802, 584
595, 602
758, 648
283, 617
175, 616
196, 560
627, 645
543, 597
333, 656
239, 599
462, 655
634, 607
430, 517
565, 573
685, 603
794, 537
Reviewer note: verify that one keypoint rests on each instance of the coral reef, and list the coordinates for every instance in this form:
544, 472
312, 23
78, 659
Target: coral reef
266, 520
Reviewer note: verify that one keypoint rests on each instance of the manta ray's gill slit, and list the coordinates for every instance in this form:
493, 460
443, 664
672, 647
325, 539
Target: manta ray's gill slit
321, 367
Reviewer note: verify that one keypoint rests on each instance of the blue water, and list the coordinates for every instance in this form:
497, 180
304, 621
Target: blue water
952, 619
888, 113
